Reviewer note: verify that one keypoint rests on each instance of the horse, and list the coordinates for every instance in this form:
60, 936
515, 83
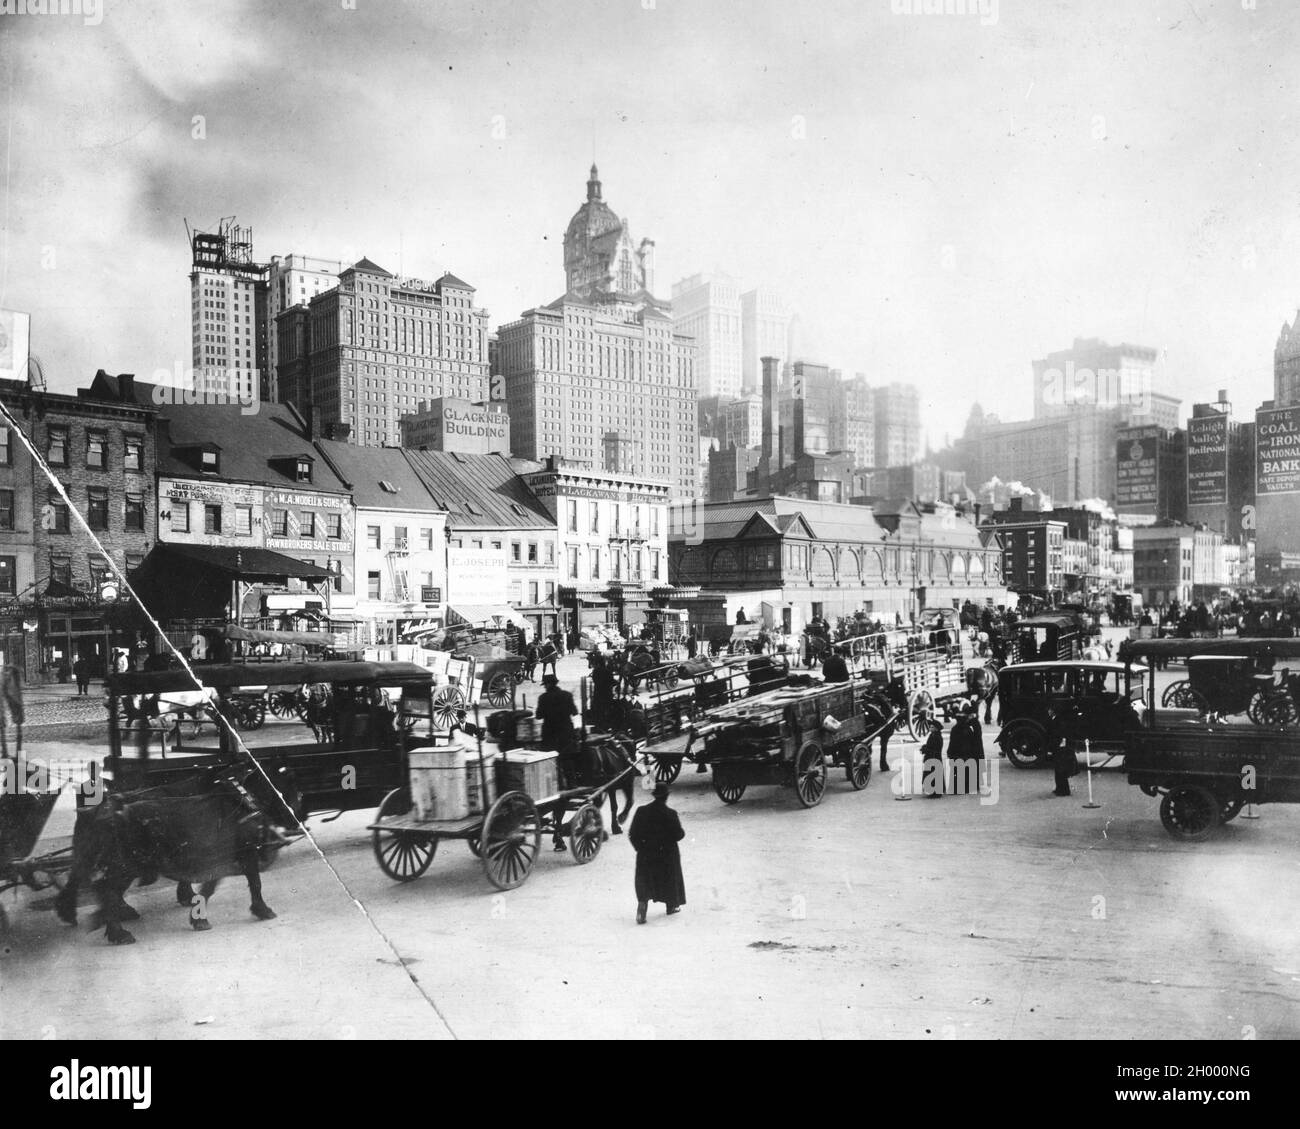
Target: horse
318, 712
11, 706
198, 829
982, 685
600, 762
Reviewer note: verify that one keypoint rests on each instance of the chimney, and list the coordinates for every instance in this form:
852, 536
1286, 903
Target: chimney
313, 423
977, 514
341, 432
126, 385
1017, 504
771, 419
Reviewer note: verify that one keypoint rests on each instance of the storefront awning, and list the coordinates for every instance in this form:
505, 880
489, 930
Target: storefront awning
485, 615
245, 564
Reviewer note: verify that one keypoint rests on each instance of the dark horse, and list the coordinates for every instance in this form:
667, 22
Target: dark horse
603, 761
198, 829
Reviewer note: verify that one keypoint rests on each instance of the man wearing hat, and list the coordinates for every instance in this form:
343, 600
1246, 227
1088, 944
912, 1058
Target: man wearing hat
556, 710
965, 751
655, 832
835, 669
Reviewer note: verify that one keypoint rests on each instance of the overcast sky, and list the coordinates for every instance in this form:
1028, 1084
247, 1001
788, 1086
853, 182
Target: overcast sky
942, 197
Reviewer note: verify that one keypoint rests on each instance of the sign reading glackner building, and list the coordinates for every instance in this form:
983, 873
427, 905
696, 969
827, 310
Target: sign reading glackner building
453, 424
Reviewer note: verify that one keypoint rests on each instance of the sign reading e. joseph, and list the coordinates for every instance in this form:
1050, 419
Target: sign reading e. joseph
1277, 451
1207, 460
1136, 477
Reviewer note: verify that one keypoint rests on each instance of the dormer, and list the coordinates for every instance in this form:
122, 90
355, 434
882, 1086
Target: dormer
298, 468
202, 457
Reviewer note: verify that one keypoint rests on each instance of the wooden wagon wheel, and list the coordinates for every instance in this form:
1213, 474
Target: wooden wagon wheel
920, 714
1190, 811
586, 833
402, 855
810, 774
670, 678
500, 691
666, 769
475, 846
1275, 710
727, 784
511, 840
858, 770
1178, 696
448, 707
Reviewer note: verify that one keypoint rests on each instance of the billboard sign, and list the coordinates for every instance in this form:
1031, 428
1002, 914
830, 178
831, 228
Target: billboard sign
1207, 460
1136, 470
1277, 451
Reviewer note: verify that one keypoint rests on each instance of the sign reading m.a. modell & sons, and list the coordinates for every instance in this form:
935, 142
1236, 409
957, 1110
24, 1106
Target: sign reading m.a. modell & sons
1277, 451
1207, 460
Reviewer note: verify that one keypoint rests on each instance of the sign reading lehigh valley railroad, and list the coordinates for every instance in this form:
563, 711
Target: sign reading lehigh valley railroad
1207, 460
1136, 466
1277, 451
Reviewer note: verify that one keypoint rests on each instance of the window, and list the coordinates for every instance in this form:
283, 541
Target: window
8, 576
550, 552
516, 593
372, 585
180, 517
594, 552
516, 550
532, 591
496, 545
133, 454
573, 562
550, 591
56, 450
6, 451
636, 564
96, 449
97, 507
426, 539
532, 554
372, 537
595, 517
302, 470
212, 518
654, 521
279, 523
306, 524
573, 517
334, 527
61, 569
6, 509
134, 511
399, 537
99, 573
654, 563
210, 462
616, 563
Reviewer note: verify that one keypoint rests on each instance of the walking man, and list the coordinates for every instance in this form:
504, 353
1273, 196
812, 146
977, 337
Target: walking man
556, 710
655, 832
965, 751
81, 672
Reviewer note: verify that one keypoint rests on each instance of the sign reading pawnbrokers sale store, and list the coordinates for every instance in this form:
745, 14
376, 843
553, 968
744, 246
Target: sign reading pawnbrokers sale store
1277, 451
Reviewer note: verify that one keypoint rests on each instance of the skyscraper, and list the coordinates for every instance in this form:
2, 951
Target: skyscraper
707, 308
228, 296
765, 332
601, 370
897, 424
378, 345
292, 280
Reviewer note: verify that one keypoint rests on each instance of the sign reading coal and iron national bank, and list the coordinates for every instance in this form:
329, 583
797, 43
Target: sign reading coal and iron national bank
1207, 460
1277, 451
1137, 454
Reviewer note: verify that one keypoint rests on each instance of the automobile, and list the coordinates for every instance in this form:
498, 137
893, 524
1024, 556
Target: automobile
1097, 702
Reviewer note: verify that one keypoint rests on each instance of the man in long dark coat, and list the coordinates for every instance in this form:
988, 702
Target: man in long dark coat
965, 751
556, 710
602, 692
655, 832
932, 763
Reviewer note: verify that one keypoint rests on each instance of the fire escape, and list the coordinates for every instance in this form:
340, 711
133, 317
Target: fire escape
399, 551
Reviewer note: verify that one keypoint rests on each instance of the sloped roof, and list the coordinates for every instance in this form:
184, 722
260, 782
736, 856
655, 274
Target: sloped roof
486, 482
369, 268
450, 279
363, 469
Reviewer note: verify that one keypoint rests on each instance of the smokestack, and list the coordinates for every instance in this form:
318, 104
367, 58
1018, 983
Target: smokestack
313, 423
771, 420
977, 515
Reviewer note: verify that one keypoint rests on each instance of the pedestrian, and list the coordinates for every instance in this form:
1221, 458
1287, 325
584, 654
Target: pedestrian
692, 645
965, 751
556, 710
932, 763
1064, 762
81, 672
655, 832
603, 680
835, 669
530, 663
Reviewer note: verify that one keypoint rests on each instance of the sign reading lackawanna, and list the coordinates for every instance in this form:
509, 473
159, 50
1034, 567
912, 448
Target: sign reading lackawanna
1277, 451
1207, 460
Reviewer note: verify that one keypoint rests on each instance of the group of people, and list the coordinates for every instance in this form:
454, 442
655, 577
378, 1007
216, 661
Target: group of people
965, 752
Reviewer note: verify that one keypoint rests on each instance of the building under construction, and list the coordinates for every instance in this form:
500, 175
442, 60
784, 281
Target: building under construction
228, 311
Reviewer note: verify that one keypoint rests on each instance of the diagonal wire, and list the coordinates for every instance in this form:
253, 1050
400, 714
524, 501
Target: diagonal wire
220, 716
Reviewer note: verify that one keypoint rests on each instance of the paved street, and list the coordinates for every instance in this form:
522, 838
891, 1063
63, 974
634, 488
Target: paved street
1028, 917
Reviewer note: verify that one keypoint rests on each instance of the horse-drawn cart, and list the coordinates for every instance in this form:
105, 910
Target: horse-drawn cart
449, 795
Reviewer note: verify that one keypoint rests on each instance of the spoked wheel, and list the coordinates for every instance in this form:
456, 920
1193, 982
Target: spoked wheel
920, 714
670, 680
284, 704
448, 707
512, 838
1024, 747
1276, 711
251, 715
1179, 696
858, 769
586, 833
666, 769
1230, 810
500, 690
727, 784
475, 846
402, 855
1190, 812
810, 775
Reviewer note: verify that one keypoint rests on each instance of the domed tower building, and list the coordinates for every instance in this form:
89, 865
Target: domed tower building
602, 262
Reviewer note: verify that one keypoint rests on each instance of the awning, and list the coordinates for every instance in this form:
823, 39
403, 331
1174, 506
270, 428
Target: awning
245, 564
295, 638
485, 615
